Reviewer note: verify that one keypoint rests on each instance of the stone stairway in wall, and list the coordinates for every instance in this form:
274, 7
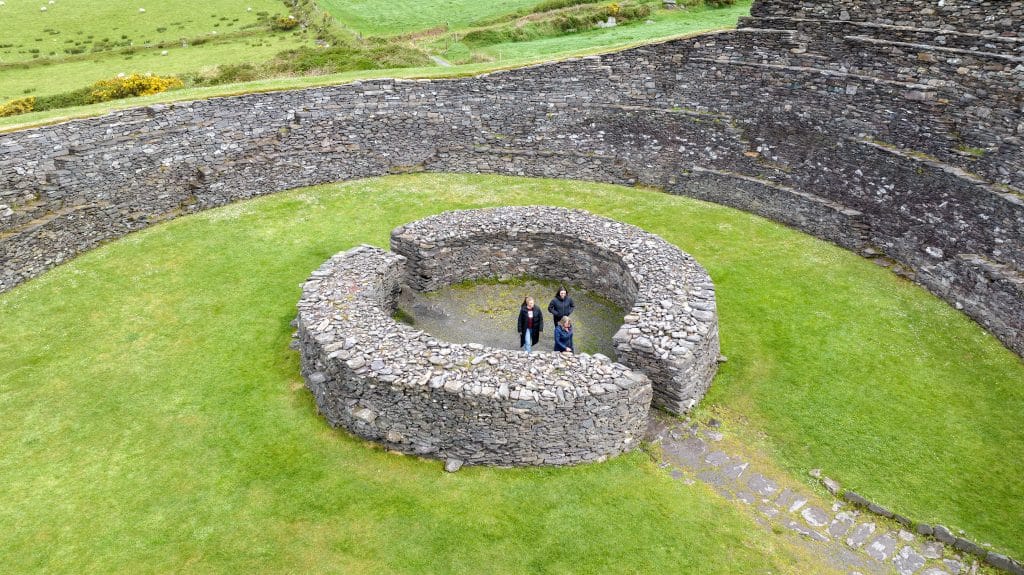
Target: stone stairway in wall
971, 84
944, 101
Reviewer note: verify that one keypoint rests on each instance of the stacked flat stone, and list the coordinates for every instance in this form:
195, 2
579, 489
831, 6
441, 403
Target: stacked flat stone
671, 331
401, 387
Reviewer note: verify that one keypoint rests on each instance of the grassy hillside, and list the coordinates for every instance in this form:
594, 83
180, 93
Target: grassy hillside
658, 25
55, 55
376, 18
73, 44
152, 416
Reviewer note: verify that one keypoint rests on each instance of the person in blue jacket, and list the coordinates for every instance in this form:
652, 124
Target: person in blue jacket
563, 336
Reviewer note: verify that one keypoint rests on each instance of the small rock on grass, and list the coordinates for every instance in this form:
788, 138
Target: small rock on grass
831, 484
453, 465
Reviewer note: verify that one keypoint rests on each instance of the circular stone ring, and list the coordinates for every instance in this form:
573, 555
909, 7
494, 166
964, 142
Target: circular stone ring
399, 386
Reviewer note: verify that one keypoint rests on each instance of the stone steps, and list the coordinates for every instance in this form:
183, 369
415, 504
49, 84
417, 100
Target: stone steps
849, 538
40, 222
969, 16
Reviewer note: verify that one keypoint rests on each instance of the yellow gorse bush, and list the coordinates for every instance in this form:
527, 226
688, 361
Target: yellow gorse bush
130, 86
19, 106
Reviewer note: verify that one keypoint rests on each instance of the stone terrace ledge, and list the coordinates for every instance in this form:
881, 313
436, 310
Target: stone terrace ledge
399, 386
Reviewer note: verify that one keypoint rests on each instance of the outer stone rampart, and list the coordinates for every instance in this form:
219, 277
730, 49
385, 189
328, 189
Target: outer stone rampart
895, 129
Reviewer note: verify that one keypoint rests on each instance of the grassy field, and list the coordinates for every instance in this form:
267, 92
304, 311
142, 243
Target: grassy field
153, 417
73, 44
39, 80
375, 18
663, 24
112, 38
100, 26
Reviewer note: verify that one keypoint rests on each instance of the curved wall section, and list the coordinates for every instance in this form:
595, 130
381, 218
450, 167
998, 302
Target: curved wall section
398, 386
671, 330
883, 127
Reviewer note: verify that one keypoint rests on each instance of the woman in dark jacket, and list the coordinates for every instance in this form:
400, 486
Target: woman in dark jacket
530, 324
563, 336
561, 305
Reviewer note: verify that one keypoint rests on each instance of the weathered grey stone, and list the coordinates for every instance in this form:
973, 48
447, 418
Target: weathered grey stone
831, 485
390, 383
932, 549
860, 534
879, 510
856, 499
968, 546
841, 524
791, 501
815, 516
908, 561
943, 535
953, 566
453, 465
1003, 562
809, 533
761, 485
640, 271
882, 547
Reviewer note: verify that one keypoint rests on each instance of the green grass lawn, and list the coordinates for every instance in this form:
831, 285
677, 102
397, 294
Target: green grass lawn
41, 80
664, 24
375, 18
33, 48
153, 418
91, 22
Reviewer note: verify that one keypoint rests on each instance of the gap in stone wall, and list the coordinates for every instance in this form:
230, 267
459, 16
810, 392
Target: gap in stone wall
485, 312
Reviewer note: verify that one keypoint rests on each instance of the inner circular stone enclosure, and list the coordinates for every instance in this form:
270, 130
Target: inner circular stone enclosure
394, 384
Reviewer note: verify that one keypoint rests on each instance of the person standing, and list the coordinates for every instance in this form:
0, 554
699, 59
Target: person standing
530, 324
561, 305
563, 335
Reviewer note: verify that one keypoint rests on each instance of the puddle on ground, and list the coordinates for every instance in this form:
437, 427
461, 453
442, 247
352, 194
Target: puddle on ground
485, 312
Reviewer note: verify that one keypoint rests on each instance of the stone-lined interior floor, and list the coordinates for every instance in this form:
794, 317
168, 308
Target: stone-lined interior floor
851, 539
486, 313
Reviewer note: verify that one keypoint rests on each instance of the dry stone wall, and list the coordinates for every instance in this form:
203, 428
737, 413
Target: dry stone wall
398, 386
671, 331
895, 129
